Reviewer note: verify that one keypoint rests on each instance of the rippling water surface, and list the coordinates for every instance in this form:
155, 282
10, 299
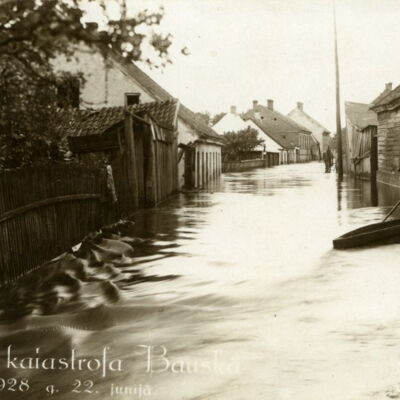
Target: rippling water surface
239, 287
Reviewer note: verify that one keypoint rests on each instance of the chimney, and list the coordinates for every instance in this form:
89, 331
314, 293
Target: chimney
300, 106
270, 104
388, 86
255, 103
233, 109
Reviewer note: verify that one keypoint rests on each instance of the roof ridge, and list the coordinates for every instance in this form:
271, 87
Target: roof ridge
384, 97
286, 119
254, 120
356, 102
313, 119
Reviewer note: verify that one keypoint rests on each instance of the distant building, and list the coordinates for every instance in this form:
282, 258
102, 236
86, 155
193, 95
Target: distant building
321, 135
112, 81
361, 125
295, 140
387, 108
233, 122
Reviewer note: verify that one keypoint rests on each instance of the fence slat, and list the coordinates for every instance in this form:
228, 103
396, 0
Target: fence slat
45, 210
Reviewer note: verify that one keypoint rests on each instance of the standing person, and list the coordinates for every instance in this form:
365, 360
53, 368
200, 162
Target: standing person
328, 160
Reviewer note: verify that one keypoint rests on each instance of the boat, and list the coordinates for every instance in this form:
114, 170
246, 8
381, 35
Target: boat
385, 232
374, 234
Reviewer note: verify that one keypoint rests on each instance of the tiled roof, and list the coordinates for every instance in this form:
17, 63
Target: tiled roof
282, 129
309, 117
387, 98
89, 122
360, 114
155, 90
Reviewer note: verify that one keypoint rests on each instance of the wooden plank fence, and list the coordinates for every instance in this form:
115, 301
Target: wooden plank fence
45, 210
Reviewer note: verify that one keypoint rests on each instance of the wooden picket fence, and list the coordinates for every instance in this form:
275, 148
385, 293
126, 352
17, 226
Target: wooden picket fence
45, 210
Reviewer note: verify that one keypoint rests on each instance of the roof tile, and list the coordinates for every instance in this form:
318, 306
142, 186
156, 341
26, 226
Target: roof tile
281, 128
89, 122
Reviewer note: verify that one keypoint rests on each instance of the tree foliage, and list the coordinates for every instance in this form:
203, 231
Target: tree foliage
238, 143
205, 116
217, 117
209, 119
30, 119
32, 33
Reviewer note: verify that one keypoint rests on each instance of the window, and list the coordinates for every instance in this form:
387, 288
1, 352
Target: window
132, 99
68, 92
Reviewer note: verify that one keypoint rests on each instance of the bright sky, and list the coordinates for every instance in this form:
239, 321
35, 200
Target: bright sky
242, 50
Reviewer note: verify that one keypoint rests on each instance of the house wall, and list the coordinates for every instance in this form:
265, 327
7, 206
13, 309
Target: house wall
362, 153
305, 146
347, 145
234, 123
318, 131
283, 157
289, 156
357, 148
186, 135
208, 164
106, 81
389, 147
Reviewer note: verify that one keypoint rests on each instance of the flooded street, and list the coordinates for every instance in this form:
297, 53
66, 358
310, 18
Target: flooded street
239, 289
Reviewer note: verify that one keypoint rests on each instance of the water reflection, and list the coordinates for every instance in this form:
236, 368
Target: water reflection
239, 285
357, 193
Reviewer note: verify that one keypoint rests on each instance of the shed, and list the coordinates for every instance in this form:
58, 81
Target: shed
137, 143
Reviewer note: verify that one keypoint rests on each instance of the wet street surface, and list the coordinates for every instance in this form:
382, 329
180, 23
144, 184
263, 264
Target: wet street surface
234, 293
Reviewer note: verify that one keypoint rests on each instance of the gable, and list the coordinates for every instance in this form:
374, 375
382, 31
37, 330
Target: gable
105, 80
230, 123
108, 79
307, 121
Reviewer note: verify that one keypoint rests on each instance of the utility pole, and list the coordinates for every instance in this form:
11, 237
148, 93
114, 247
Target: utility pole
338, 122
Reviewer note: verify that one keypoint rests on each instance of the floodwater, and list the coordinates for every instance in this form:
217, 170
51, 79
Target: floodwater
234, 293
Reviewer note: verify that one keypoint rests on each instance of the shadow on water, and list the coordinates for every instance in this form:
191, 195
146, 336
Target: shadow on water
359, 193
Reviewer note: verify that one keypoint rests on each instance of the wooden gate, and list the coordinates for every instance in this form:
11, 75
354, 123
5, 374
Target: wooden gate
46, 210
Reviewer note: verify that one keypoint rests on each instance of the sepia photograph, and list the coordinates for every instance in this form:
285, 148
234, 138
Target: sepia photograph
199, 199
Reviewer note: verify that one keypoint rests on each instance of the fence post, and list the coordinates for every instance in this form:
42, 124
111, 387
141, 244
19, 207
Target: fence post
132, 165
151, 193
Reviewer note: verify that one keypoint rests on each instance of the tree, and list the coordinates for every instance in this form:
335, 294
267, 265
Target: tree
29, 119
237, 143
205, 116
32, 33
217, 117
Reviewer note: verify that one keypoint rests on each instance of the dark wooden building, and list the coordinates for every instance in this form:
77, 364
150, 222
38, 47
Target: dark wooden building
137, 145
360, 144
387, 108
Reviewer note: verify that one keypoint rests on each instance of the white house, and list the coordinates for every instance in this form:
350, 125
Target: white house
112, 81
233, 122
